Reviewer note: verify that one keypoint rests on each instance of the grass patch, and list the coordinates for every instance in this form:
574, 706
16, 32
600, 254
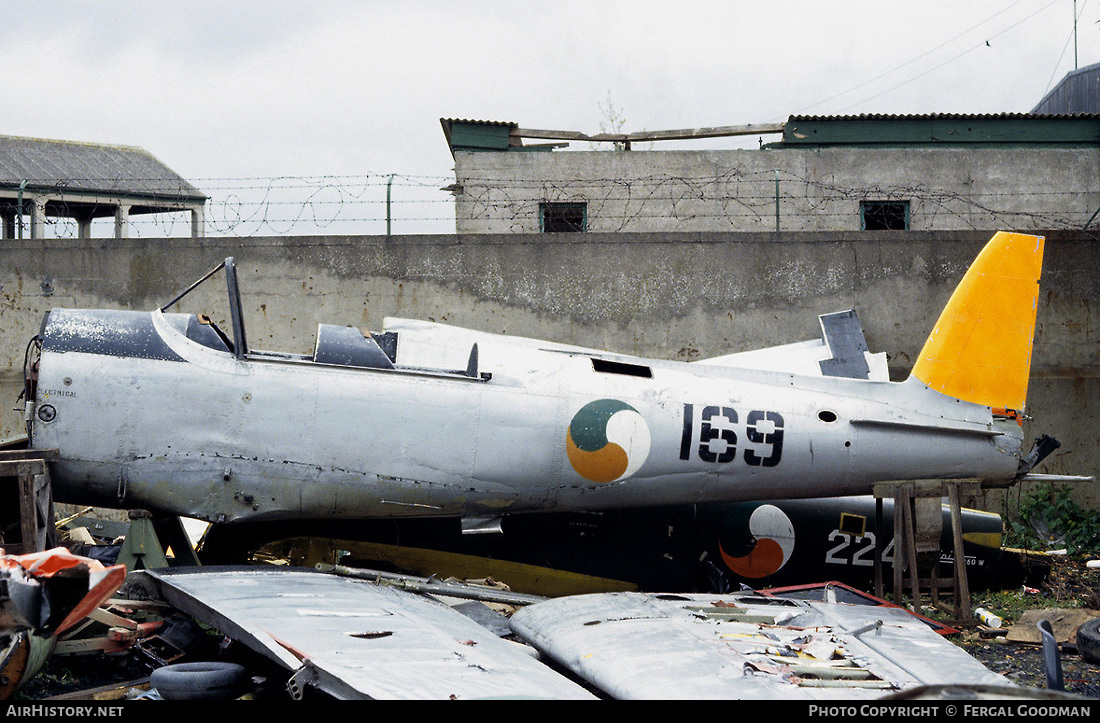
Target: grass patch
1070, 584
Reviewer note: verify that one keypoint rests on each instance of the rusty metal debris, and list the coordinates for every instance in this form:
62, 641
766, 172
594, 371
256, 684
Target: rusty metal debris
42, 595
633, 645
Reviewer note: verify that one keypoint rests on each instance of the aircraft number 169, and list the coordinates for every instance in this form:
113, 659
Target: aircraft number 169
715, 426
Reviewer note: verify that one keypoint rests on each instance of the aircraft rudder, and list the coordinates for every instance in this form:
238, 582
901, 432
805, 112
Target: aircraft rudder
980, 349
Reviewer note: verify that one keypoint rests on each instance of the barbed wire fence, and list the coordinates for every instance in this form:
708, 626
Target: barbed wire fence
737, 200
725, 199
286, 205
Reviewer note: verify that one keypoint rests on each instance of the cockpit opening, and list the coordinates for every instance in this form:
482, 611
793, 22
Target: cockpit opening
344, 346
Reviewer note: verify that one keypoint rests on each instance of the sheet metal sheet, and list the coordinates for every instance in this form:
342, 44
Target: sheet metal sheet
361, 639
654, 646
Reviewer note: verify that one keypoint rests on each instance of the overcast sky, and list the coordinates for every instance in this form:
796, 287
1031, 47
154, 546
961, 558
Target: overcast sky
320, 102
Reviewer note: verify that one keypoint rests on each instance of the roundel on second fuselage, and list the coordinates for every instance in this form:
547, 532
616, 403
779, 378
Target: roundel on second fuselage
756, 540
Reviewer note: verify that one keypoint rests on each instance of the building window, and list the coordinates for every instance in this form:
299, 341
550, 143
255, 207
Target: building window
563, 217
884, 215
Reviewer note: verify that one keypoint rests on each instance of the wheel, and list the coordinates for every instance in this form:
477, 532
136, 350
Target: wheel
199, 681
1088, 640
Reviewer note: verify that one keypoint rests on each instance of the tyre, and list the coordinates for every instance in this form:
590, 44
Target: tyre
199, 681
1088, 640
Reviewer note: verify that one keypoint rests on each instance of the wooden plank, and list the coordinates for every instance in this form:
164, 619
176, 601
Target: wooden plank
929, 487
49, 455
20, 441
682, 134
911, 550
21, 467
28, 514
1064, 622
36, 525
113, 691
900, 498
879, 545
45, 533
962, 585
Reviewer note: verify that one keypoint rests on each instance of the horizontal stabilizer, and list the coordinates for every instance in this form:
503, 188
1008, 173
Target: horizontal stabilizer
844, 336
1059, 478
840, 352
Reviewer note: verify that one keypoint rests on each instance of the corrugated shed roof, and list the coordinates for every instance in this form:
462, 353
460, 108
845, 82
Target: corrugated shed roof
1078, 92
943, 129
90, 168
945, 116
476, 134
471, 121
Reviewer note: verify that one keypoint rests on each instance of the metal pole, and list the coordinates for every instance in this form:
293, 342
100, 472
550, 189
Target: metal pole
19, 208
389, 216
777, 200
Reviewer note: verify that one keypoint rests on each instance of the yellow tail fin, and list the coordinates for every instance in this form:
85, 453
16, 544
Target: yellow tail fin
980, 349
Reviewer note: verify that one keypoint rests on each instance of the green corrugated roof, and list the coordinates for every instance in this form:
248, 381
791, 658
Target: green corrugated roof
467, 135
1007, 129
475, 135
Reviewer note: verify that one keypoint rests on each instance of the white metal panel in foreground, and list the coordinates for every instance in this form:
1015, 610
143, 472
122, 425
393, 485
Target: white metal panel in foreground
358, 639
661, 646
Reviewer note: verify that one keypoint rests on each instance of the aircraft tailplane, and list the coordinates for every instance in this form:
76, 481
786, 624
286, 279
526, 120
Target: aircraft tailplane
980, 349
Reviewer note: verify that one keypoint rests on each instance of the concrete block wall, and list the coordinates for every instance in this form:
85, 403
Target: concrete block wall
668, 295
817, 189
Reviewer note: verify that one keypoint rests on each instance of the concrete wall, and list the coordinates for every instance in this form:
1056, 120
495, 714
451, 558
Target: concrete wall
818, 190
676, 296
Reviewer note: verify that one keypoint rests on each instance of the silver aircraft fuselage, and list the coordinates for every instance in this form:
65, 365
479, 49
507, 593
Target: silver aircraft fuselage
151, 410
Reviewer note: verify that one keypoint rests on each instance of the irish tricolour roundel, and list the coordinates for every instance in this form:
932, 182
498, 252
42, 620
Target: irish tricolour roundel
607, 441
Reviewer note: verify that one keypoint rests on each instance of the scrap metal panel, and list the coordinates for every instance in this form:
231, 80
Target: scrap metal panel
662, 646
359, 639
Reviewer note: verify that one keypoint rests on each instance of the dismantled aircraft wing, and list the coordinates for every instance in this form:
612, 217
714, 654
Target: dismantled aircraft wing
355, 639
664, 646
840, 352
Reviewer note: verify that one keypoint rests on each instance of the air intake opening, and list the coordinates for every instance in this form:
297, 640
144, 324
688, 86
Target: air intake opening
613, 367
